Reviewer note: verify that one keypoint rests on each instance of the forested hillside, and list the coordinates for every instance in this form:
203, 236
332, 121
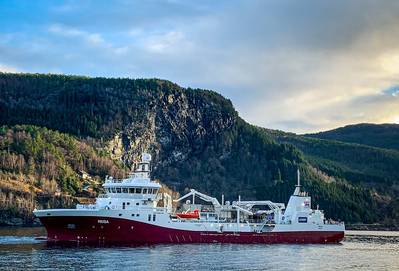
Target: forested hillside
37, 164
196, 137
369, 167
377, 135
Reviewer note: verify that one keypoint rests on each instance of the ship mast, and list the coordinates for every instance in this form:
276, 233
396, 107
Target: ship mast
298, 186
142, 169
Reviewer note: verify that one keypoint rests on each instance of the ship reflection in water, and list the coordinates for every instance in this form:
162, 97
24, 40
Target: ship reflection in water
360, 251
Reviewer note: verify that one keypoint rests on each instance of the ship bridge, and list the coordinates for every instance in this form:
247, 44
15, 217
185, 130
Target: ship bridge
137, 189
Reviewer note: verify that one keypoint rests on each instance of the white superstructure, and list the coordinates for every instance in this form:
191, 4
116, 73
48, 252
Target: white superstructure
138, 199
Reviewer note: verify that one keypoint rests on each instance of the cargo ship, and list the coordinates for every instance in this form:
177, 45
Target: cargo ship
133, 210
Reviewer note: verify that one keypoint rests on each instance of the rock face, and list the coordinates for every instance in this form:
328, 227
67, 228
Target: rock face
195, 136
177, 128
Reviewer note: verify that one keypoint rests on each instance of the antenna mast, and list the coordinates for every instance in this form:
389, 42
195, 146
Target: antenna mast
298, 177
298, 186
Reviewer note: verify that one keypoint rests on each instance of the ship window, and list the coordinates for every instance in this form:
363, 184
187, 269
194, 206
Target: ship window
149, 217
153, 217
138, 190
154, 191
138, 215
113, 190
145, 191
124, 190
118, 190
149, 191
131, 190
128, 203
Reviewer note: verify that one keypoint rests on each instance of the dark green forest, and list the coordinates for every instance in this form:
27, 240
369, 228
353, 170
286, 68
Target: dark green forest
376, 135
197, 140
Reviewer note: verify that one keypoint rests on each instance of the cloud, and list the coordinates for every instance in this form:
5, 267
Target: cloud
91, 38
5, 68
285, 64
164, 42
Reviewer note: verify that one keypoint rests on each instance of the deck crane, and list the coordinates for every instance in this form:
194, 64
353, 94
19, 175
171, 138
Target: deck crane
204, 197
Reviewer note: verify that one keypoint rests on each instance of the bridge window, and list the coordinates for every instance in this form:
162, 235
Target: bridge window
149, 191
113, 190
154, 191
124, 190
138, 190
118, 190
131, 190
145, 191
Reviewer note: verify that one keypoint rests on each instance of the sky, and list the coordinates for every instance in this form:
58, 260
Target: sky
298, 66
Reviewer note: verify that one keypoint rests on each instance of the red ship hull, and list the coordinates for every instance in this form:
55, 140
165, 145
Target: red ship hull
87, 230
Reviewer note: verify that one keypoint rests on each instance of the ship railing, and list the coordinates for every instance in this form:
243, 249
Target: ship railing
112, 180
86, 206
332, 222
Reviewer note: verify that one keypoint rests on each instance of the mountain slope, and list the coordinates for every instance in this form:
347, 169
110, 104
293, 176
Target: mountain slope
369, 167
196, 137
37, 163
376, 135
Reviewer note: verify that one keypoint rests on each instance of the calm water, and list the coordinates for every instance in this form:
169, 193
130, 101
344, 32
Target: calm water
359, 251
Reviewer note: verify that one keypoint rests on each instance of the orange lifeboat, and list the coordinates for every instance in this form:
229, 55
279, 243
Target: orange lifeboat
189, 215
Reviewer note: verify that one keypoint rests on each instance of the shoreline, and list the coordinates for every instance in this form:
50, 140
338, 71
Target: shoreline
371, 227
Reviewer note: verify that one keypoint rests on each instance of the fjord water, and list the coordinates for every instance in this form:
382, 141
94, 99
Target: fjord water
359, 251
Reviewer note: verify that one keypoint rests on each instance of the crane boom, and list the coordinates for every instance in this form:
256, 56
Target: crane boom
204, 197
